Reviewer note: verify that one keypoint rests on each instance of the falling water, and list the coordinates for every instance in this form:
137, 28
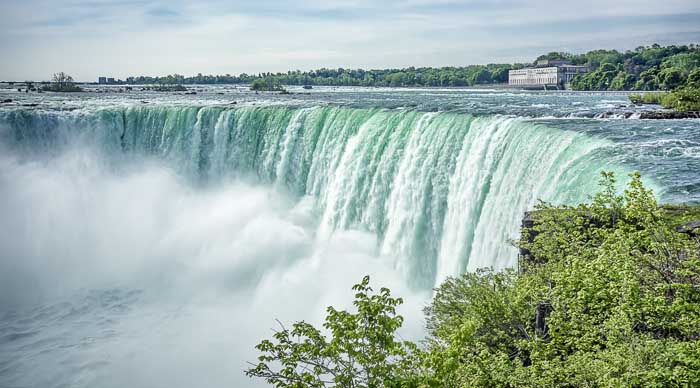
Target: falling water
443, 192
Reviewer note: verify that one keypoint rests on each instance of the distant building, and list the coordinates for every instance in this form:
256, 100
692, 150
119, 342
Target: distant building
110, 80
547, 73
102, 80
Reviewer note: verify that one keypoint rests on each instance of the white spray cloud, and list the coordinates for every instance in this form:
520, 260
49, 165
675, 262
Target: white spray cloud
128, 276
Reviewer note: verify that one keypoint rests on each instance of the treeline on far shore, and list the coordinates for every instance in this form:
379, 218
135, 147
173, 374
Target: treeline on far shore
645, 68
412, 76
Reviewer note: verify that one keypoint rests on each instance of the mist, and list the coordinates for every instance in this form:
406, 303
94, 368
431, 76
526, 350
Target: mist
128, 274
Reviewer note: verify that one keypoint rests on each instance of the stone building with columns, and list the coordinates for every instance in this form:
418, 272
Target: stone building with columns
546, 75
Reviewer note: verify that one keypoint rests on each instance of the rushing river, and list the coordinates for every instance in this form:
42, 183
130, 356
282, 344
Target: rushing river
150, 239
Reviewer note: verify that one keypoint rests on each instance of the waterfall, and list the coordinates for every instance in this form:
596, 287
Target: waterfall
443, 192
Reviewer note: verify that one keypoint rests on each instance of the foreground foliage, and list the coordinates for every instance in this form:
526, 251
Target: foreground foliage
608, 295
362, 350
618, 291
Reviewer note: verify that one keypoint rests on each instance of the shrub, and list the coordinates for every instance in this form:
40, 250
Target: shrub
647, 98
686, 99
609, 296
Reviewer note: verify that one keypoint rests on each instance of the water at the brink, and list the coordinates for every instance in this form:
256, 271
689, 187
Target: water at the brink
151, 240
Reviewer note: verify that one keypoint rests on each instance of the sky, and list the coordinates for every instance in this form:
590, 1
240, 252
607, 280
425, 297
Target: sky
120, 38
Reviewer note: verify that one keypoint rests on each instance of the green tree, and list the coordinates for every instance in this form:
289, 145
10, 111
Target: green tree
633, 63
648, 80
607, 296
683, 99
601, 57
258, 85
475, 325
622, 81
693, 79
268, 83
482, 76
670, 78
500, 74
362, 350
599, 79
554, 56
685, 62
396, 79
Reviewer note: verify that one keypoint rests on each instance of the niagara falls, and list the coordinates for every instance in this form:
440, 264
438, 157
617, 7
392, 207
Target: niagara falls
425, 203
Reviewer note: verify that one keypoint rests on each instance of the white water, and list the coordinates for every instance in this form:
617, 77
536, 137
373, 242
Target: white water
442, 192
154, 247
130, 277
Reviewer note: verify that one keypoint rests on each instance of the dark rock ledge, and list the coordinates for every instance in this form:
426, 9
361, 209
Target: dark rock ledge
651, 115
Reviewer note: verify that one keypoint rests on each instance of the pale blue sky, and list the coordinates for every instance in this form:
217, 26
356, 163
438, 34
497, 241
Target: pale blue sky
88, 38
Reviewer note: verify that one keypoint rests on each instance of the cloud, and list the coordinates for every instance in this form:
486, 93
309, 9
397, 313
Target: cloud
131, 37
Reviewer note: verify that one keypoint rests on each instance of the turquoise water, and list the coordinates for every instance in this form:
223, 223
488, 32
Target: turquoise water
136, 217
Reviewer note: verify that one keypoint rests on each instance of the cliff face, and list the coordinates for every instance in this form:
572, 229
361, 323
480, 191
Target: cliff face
684, 218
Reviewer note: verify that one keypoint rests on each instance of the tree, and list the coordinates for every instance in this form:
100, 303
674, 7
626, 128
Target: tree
608, 295
482, 76
362, 350
555, 56
268, 83
634, 63
670, 78
500, 74
693, 80
683, 99
622, 81
648, 80
475, 324
62, 79
599, 79
258, 85
396, 79
62, 82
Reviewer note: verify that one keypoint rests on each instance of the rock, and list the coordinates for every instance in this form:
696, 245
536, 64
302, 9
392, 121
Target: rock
669, 115
6, 101
692, 228
649, 115
612, 115
528, 234
541, 314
